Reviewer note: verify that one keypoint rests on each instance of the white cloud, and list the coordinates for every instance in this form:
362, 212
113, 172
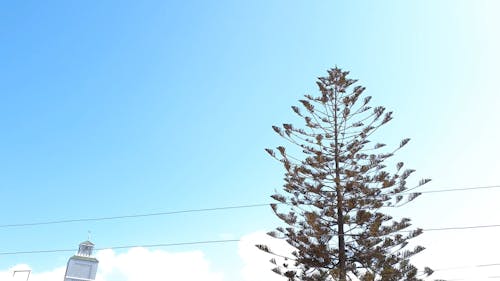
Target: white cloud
256, 262
56, 274
137, 264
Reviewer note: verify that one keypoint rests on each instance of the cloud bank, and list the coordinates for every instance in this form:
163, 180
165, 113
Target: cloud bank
139, 264
257, 266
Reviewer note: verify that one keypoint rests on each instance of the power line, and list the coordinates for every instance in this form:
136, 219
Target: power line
225, 241
467, 267
132, 216
458, 189
456, 228
202, 210
462, 227
124, 247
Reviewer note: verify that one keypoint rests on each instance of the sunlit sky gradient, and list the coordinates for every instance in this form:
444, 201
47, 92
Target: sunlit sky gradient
123, 107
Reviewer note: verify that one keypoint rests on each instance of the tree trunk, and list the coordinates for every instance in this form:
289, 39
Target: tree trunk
340, 203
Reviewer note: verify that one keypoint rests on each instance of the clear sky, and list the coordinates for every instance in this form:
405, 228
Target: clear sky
112, 108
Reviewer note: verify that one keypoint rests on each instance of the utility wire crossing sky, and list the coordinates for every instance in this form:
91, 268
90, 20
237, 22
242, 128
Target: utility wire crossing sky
208, 209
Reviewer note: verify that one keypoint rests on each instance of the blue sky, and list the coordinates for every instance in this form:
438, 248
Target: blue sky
124, 107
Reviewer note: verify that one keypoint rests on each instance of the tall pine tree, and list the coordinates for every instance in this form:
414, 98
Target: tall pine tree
337, 190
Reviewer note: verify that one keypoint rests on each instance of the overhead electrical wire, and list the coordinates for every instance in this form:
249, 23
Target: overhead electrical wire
206, 210
123, 247
466, 267
462, 227
458, 189
201, 210
219, 241
132, 215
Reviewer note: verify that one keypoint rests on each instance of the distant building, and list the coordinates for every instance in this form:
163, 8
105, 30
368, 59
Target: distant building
82, 266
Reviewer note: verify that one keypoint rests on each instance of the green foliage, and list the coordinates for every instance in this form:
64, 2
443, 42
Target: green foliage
336, 190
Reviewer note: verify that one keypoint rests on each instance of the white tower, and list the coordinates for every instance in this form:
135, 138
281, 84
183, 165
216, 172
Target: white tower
82, 266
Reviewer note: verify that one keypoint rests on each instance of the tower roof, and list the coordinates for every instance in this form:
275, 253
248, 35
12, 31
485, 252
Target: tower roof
85, 249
